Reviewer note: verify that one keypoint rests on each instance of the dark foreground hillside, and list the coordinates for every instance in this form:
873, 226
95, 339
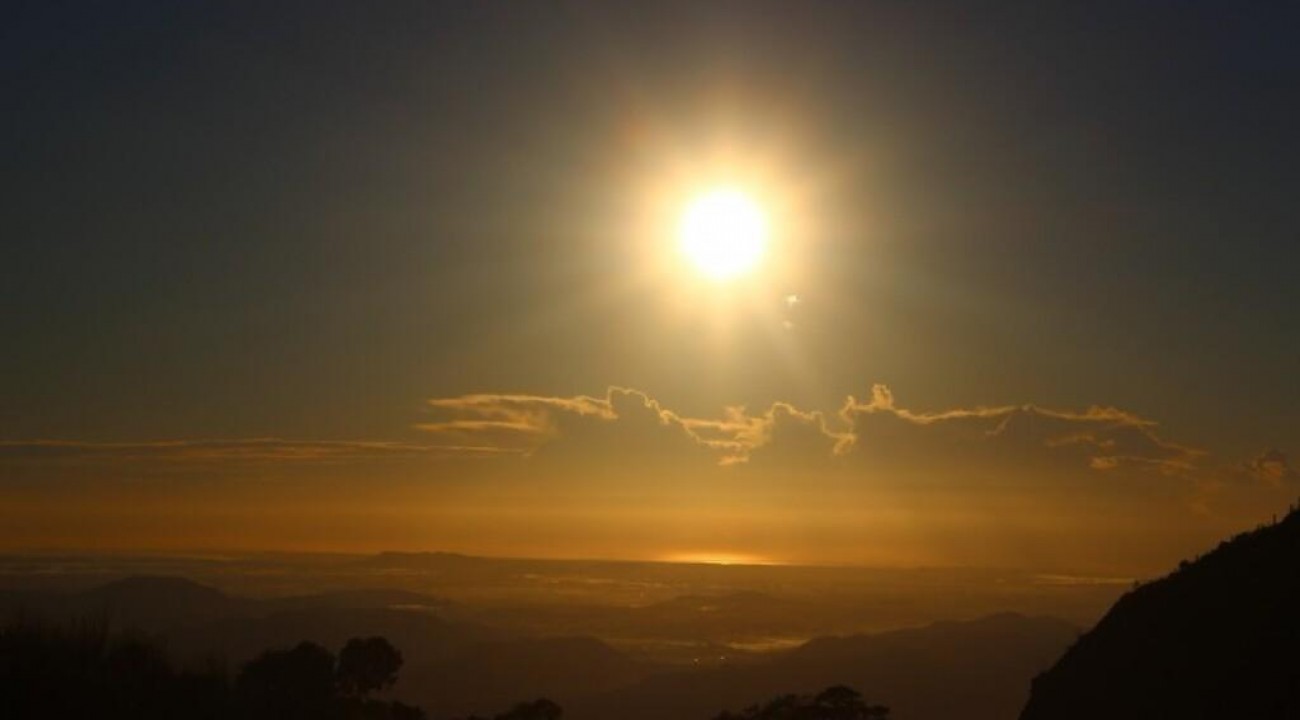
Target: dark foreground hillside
1219, 638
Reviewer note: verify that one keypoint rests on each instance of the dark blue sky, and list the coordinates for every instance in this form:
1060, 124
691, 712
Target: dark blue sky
303, 219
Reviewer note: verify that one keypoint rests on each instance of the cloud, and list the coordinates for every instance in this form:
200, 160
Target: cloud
878, 440
620, 417
529, 422
790, 436
240, 450
1272, 467
882, 401
1102, 438
510, 422
628, 426
1254, 488
874, 480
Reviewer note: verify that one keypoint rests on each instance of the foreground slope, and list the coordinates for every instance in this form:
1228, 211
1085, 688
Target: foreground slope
1219, 638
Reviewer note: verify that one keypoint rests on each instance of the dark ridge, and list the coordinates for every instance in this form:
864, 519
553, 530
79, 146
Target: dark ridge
154, 603
1218, 638
157, 586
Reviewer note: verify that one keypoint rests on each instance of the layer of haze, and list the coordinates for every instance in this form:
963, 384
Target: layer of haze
351, 277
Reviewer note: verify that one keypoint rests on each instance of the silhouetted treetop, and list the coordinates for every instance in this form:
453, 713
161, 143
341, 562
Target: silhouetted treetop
81, 671
838, 702
289, 684
367, 665
539, 709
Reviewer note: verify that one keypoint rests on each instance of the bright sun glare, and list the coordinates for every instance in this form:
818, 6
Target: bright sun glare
723, 234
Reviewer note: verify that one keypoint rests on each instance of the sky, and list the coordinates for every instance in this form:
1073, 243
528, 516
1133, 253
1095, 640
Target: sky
353, 276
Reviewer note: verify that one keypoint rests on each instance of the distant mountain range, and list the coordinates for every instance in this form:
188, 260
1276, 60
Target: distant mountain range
974, 670
455, 665
1219, 638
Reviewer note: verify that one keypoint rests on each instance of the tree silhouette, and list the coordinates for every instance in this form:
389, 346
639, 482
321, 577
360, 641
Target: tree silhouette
83, 671
367, 665
841, 702
80, 670
539, 709
402, 711
288, 684
838, 702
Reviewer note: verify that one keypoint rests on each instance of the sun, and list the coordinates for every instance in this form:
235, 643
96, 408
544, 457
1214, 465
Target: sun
723, 234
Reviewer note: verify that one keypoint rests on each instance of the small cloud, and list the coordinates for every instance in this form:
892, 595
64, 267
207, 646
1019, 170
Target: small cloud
239, 450
1103, 462
882, 401
1272, 467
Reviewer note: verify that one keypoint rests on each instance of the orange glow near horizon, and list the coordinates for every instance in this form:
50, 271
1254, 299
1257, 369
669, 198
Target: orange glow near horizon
701, 557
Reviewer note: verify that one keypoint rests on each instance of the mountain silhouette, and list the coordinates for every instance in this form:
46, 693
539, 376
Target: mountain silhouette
456, 665
156, 602
452, 666
976, 670
1218, 638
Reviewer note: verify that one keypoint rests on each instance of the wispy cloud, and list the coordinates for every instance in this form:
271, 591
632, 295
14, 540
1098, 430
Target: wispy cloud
526, 422
1110, 436
1272, 467
269, 450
